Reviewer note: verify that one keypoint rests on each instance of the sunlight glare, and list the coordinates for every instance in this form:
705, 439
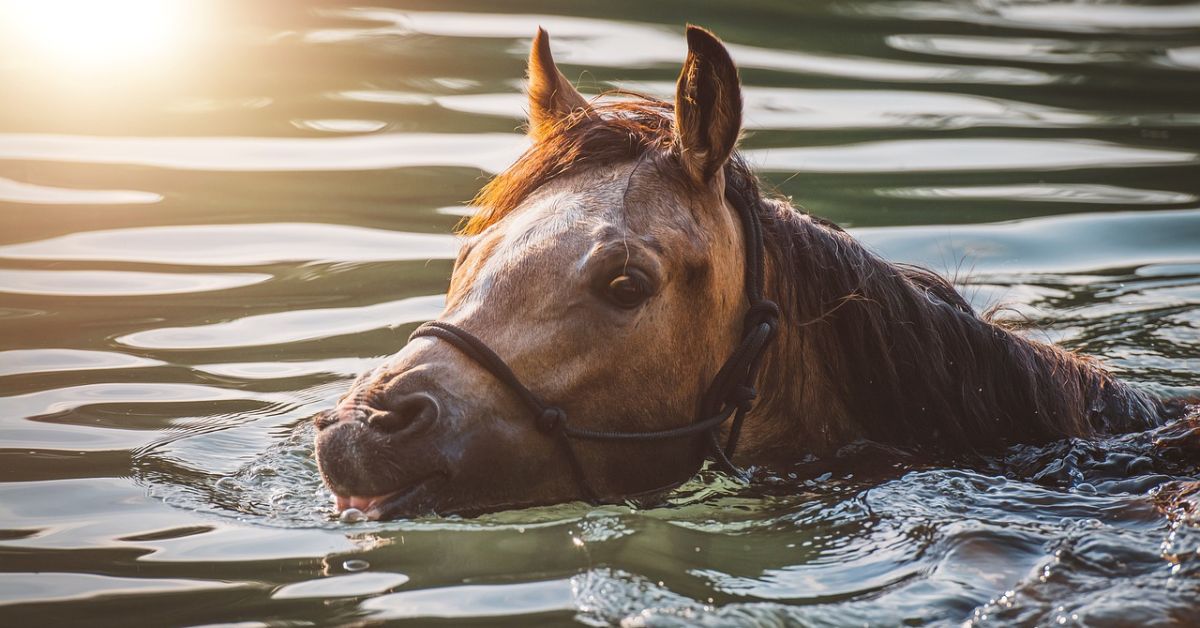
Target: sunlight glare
88, 34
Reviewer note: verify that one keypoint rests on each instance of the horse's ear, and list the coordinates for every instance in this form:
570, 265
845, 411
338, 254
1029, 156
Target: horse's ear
551, 95
708, 106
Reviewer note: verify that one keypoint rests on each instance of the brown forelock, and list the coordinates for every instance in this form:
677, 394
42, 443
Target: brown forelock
603, 134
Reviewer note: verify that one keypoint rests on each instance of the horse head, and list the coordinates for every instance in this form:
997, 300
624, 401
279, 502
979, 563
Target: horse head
605, 269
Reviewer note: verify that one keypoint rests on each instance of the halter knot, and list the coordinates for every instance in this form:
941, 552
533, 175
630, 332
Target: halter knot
763, 311
743, 397
551, 419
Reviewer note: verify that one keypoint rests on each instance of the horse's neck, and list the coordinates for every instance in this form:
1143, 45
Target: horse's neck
875, 350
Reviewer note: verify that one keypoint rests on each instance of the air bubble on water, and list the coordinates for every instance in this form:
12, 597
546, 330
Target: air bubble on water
352, 515
356, 565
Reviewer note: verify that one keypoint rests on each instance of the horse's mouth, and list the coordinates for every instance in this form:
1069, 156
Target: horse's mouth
365, 504
387, 505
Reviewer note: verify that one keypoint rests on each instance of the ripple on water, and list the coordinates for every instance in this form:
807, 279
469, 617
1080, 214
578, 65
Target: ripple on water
792, 108
341, 125
949, 155
27, 588
349, 585
58, 401
1067, 17
971, 111
930, 545
238, 245
485, 151
474, 601
602, 43
1045, 50
1045, 193
24, 361
1069, 244
111, 283
31, 194
289, 327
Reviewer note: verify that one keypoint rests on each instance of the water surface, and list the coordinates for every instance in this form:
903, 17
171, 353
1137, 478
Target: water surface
213, 215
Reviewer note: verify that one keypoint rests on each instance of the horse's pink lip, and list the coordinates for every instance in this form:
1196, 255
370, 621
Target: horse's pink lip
377, 506
366, 504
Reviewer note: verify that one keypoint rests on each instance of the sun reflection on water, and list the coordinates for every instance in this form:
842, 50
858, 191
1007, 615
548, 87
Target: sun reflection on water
92, 35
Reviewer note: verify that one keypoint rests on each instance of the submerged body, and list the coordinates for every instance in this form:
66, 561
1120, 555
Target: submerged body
606, 269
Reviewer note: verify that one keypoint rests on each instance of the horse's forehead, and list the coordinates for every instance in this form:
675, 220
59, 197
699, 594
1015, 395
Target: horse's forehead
568, 221
623, 198
562, 218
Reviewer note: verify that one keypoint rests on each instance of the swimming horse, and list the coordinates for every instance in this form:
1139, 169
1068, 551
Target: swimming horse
627, 303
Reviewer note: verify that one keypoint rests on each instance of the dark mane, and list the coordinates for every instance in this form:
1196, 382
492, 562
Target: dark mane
892, 348
912, 361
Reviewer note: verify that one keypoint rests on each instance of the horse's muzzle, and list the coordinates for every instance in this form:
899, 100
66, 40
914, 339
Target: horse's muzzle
369, 444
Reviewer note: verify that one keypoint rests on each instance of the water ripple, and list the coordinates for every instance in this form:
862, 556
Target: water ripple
41, 587
238, 245
31, 194
474, 601
1048, 245
604, 43
60, 360
1067, 17
60, 400
111, 283
948, 155
485, 151
1045, 193
287, 327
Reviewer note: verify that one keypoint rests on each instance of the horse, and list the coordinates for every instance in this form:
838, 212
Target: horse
627, 297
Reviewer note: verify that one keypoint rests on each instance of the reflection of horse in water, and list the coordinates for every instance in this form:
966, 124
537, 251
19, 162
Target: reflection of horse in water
626, 300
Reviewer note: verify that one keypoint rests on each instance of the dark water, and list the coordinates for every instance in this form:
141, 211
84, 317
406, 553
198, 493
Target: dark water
212, 215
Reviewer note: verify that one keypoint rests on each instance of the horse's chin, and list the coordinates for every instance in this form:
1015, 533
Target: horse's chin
363, 471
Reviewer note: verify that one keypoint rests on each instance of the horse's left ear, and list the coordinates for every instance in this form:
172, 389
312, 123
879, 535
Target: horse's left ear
551, 96
708, 106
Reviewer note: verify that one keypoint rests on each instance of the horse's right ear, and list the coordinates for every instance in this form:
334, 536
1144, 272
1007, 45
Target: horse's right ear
708, 106
551, 95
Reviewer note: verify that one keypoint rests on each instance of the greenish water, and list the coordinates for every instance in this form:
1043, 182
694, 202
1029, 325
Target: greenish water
203, 240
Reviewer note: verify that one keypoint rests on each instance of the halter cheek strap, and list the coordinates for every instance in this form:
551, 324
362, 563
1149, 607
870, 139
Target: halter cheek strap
731, 393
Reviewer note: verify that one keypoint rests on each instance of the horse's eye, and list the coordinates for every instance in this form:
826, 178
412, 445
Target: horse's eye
627, 291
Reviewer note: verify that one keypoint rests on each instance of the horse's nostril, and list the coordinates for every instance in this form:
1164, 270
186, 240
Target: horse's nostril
409, 410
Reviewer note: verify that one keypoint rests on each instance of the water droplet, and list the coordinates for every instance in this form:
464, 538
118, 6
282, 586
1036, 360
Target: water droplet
355, 565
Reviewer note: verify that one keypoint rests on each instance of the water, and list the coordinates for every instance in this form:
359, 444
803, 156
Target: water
213, 215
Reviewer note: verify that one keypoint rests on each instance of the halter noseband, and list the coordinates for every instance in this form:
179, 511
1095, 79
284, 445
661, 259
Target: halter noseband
731, 393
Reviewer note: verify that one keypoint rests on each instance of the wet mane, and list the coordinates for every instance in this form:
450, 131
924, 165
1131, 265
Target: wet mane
873, 349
